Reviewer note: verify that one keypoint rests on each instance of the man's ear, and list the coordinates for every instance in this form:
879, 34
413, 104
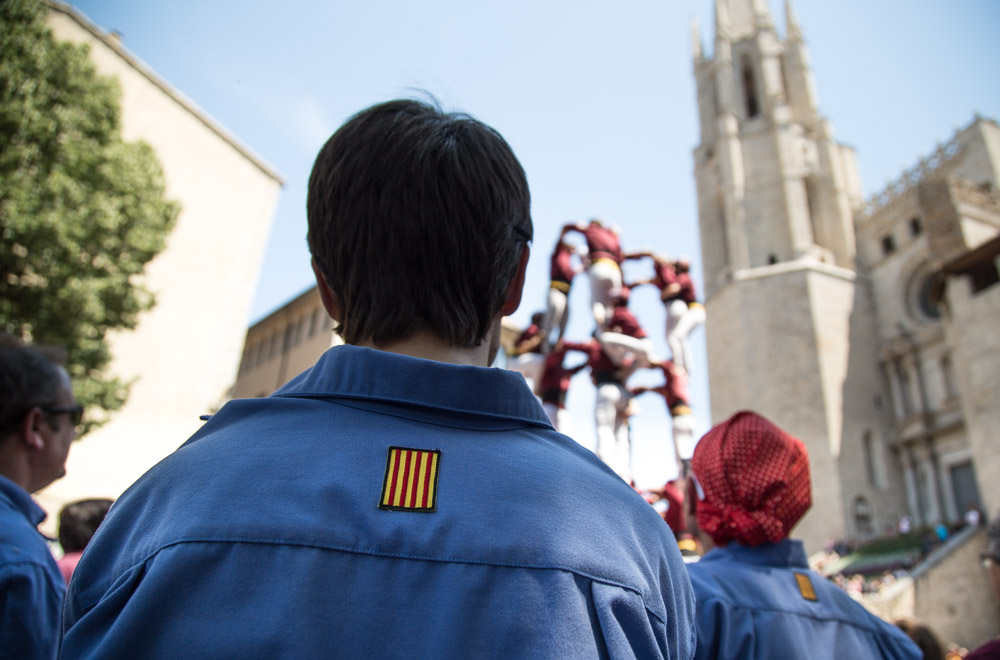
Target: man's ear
30, 429
513, 300
330, 301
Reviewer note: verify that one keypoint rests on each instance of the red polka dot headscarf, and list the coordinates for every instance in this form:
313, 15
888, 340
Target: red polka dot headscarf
755, 480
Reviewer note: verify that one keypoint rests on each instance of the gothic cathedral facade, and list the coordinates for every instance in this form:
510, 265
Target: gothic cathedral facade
812, 320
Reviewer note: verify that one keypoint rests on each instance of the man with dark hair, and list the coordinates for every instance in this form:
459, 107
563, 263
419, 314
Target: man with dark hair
398, 499
77, 523
37, 419
757, 597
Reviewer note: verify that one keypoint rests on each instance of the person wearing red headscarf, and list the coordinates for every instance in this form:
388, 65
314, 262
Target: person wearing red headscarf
756, 596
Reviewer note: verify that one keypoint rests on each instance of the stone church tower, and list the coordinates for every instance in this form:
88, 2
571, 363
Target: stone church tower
791, 328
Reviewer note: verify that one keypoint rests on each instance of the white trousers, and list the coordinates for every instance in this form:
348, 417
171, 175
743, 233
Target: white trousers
684, 428
556, 316
605, 284
621, 347
681, 320
529, 365
560, 418
612, 429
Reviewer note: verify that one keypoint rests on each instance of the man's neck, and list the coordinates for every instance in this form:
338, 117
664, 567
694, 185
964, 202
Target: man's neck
422, 344
14, 465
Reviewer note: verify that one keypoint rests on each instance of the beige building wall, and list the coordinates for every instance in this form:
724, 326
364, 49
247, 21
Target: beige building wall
925, 219
950, 592
789, 325
972, 315
821, 308
184, 351
284, 344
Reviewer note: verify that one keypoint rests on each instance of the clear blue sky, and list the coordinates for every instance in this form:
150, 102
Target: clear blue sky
596, 98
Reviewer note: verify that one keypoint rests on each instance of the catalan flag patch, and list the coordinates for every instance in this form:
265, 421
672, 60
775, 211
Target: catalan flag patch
805, 586
411, 477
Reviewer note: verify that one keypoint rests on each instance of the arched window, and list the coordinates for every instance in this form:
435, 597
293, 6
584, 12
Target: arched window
749, 88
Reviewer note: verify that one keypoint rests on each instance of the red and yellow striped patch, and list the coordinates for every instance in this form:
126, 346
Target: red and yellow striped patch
411, 477
805, 586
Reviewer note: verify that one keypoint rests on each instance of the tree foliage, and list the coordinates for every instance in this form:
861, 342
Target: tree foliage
81, 210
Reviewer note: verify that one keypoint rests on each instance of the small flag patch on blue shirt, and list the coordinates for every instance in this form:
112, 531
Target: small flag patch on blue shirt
410, 480
805, 586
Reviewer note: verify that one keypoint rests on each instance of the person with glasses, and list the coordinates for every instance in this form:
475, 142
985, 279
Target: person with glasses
38, 416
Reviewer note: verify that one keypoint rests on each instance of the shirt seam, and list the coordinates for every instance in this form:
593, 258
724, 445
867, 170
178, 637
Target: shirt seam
395, 555
367, 406
532, 421
756, 607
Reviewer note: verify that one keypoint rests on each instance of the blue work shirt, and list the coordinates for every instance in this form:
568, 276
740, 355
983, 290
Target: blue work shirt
31, 586
273, 532
764, 602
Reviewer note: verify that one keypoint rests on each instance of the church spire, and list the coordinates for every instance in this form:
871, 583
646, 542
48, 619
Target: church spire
762, 14
792, 30
697, 52
722, 25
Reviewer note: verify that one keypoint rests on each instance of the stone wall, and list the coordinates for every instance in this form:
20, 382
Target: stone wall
972, 329
950, 592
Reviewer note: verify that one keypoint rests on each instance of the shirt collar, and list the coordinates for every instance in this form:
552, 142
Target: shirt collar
21, 500
356, 372
786, 553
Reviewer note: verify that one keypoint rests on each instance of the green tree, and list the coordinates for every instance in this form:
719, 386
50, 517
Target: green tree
81, 210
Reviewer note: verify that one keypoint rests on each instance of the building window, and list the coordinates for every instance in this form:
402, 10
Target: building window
947, 376
749, 89
863, 516
904, 390
866, 447
926, 300
888, 244
984, 276
915, 226
874, 466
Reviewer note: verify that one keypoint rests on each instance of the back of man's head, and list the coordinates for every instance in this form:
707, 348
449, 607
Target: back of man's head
30, 376
417, 221
753, 481
79, 520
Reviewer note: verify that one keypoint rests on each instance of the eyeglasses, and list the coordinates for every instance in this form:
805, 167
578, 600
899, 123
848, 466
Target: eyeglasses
75, 412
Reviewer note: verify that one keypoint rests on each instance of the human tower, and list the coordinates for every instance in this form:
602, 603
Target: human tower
618, 347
